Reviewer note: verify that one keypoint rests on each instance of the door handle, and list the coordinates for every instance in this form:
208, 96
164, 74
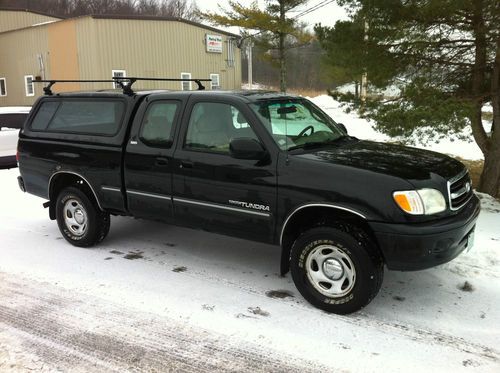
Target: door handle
186, 164
161, 161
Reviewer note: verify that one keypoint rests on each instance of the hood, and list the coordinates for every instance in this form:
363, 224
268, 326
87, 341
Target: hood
390, 159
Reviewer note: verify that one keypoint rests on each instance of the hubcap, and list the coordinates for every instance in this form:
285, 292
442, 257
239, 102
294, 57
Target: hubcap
333, 269
330, 271
75, 217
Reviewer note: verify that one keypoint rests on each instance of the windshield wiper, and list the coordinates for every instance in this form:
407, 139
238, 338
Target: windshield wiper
308, 145
315, 144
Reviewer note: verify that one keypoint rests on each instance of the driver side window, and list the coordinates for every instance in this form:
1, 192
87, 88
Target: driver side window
213, 125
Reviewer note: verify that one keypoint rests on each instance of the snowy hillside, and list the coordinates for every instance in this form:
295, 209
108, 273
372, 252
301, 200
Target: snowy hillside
363, 129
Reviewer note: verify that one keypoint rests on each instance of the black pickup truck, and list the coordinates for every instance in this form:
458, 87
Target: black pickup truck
256, 165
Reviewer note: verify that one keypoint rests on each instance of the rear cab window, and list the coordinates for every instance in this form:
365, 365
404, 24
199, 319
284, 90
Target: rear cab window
158, 123
100, 117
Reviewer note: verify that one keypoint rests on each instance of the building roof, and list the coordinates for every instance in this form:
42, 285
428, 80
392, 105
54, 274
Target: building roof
156, 18
124, 17
8, 9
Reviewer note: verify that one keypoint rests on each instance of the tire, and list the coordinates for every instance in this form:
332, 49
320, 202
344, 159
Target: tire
79, 219
337, 269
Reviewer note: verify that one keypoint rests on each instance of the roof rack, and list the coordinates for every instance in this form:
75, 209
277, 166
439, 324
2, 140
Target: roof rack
125, 83
132, 80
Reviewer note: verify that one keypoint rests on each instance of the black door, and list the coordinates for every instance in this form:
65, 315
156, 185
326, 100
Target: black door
148, 160
214, 191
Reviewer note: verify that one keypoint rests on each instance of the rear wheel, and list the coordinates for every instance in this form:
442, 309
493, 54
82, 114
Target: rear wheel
337, 269
79, 219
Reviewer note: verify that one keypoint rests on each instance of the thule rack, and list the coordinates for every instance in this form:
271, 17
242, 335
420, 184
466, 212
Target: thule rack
134, 79
125, 83
47, 90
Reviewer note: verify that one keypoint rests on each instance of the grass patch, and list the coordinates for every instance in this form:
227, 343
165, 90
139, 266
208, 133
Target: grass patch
487, 116
475, 169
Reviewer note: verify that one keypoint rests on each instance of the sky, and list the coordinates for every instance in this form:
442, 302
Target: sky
327, 15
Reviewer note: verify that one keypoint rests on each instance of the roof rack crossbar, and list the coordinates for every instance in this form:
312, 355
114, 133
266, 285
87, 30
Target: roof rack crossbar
132, 80
48, 88
124, 82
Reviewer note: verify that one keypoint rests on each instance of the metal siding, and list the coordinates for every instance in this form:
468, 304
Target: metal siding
63, 54
15, 19
18, 57
141, 47
152, 49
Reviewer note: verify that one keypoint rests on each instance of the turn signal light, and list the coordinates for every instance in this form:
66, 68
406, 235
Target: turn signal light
409, 201
420, 202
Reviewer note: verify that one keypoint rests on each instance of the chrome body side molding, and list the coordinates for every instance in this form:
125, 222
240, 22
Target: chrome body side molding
333, 206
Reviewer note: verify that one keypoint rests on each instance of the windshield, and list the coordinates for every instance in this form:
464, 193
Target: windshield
297, 123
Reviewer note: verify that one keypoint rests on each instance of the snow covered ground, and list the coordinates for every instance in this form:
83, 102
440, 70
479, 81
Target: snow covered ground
161, 298
158, 297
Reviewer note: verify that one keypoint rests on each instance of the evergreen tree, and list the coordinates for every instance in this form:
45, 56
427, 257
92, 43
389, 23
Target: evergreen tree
277, 31
443, 54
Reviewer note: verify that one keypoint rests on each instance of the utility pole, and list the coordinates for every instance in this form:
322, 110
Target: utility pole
250, 70
364, 77
282, 51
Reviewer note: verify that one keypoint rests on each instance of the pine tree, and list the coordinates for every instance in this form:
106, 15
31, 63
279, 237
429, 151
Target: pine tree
277, 31
443, 54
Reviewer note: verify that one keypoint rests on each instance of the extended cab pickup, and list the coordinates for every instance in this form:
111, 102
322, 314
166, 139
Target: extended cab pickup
256, 165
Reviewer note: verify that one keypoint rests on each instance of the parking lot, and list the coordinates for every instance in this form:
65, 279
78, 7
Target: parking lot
158, 297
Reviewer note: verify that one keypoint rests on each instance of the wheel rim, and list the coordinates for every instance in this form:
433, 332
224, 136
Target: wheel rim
330, 271
75, 217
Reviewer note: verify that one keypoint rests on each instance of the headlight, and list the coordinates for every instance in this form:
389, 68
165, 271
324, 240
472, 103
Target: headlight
420, 202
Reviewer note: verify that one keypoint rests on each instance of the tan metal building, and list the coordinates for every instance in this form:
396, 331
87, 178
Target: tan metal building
98, 47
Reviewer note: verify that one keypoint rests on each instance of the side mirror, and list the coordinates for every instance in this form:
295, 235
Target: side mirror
342, 127
246, 148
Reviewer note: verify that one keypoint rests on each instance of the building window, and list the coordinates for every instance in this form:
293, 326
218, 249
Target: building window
118, 74
3, 87
215, 81
28, 85
186, 86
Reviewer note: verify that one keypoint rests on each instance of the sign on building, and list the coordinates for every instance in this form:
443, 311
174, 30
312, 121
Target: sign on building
214, 43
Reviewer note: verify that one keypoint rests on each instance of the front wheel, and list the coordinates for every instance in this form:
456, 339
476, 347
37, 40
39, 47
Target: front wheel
337, 269
79, 219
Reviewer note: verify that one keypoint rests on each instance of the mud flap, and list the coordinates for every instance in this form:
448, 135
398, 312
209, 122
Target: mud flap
285, 261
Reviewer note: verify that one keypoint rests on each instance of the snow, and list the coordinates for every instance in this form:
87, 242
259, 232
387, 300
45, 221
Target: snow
364, 129
487, 108
217, 286
390, 91
15, 109
247, 86
211, 293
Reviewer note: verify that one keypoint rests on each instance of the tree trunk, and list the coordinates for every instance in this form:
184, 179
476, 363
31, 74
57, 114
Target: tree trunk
478, 77
282, 49
490, 178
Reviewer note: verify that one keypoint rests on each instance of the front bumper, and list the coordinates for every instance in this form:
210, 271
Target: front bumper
8, 161
410, 247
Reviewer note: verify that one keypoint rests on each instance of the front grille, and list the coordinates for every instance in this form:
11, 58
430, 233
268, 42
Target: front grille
459, 190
